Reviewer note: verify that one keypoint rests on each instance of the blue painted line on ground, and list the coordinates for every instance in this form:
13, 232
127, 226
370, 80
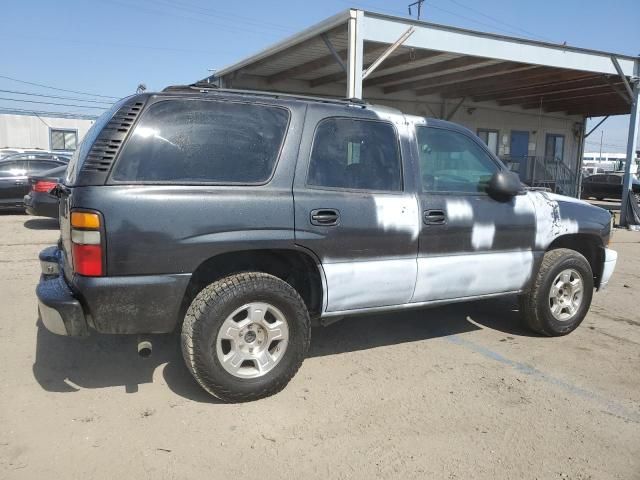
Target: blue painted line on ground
610, 406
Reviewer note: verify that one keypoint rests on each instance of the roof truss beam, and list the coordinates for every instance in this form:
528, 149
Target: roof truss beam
307, 67
625, 82
465, 75
475, 86
371, 68
537, 76
336, 55
550, 97
393, 62
564, 86
424, 71
608, 99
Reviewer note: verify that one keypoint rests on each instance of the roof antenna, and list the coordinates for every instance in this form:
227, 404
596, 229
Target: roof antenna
419, 4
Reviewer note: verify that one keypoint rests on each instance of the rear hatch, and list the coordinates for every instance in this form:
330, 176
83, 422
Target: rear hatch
90, 164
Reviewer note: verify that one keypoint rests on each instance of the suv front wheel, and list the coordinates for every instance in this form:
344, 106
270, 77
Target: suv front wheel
560, 295
245, 336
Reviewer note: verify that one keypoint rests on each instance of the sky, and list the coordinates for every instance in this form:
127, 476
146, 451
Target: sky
108, 47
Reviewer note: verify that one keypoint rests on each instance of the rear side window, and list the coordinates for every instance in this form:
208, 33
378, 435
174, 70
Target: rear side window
199, 141
355, 154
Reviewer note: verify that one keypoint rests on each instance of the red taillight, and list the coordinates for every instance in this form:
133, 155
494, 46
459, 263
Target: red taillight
86, 241
87, 260
43, 186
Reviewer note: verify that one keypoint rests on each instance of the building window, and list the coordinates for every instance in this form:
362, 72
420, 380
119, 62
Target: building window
63, 139
554, 148
490, 138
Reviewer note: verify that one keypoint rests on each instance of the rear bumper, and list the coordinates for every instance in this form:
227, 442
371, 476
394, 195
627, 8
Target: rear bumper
129, 305
59, 310
610, 259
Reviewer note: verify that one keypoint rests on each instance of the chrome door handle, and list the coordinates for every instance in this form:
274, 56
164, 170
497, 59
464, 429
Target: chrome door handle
324, 217
434, 217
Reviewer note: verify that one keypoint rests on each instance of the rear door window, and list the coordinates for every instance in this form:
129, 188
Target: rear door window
200, 141
355, 154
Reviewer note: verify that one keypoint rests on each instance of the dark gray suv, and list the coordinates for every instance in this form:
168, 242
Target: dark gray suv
241, 218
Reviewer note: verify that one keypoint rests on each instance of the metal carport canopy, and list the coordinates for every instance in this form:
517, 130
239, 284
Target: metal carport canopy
361, 54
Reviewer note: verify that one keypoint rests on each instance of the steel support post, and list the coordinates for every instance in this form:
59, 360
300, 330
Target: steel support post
356, 53
632, 145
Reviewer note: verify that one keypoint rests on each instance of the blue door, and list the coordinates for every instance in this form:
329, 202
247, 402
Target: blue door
520, 152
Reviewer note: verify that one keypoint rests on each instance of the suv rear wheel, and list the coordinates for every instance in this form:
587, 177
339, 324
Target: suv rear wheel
561, 293
245, 336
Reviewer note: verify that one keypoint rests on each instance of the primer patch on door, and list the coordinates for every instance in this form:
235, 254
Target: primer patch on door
482, 235
459, 211
398, 213
459, 276
373, 283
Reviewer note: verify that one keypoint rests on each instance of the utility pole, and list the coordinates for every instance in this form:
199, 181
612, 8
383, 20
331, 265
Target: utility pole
419, 4
601, 134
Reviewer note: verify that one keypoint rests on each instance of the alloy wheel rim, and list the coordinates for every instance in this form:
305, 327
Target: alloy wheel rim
252, 340
566, 294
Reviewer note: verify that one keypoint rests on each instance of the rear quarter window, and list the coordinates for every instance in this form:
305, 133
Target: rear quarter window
203, 141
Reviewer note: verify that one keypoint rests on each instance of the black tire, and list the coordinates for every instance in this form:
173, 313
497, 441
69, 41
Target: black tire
535, 305
206, 315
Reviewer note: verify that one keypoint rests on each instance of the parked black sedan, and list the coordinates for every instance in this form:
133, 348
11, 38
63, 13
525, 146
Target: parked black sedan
40, 201
14, 173
608, 185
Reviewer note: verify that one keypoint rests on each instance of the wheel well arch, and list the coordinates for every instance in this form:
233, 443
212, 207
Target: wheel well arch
589, 246
299, 269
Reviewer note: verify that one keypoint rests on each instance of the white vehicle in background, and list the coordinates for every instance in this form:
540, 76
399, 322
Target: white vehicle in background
595, 162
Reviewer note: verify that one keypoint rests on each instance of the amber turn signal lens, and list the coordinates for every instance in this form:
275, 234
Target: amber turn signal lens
85, 220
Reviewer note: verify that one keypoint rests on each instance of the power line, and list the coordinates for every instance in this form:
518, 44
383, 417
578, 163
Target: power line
606, 144
190, 7
56, 88
497, 20
51, 103
47, 113
113, 45
16, 92
175, 15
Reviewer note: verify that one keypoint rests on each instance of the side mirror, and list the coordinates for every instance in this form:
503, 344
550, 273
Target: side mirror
504, 185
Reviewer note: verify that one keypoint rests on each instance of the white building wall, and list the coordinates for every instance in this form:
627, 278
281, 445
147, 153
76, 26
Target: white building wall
30, 131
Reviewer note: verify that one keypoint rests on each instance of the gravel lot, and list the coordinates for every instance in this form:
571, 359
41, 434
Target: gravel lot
456, 392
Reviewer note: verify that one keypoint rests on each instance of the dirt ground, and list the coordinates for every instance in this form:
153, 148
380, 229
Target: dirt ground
454, 393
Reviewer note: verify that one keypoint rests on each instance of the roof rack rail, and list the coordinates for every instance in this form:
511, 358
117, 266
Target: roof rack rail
211, 88
191, 87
